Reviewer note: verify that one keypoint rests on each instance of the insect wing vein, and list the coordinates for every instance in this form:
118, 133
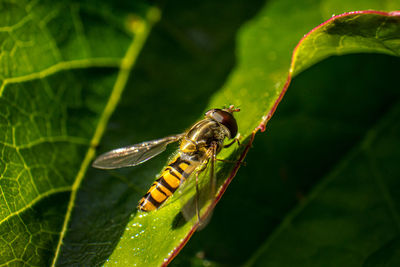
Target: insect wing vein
133, 155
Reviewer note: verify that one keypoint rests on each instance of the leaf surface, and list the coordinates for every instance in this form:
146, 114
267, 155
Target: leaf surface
65, 67
322, 120
58, 88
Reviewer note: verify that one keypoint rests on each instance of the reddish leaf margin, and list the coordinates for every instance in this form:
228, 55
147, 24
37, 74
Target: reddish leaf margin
262, 126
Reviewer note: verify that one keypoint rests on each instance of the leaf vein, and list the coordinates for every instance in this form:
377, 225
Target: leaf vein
62, 66
34, 201
78, 25
49, 139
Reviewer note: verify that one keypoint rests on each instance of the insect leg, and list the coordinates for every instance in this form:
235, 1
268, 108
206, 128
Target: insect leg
232, 161
197, 198
212, 151
213, 185
236, 139
212, 171
202, 168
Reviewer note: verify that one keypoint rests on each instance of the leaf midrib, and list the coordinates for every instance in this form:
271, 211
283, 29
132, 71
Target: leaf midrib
61, 66
127, 63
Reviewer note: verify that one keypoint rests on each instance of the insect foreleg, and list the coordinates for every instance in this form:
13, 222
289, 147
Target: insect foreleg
235, 140
232, 161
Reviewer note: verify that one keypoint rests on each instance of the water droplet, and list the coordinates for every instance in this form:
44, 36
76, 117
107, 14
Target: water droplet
142, 215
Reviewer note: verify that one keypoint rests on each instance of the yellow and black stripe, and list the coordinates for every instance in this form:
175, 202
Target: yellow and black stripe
171, 178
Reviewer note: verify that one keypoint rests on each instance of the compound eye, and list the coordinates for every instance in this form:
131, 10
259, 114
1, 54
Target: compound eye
211, 112
225, 118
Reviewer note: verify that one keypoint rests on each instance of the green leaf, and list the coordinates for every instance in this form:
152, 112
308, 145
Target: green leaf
325, 116
64, 66
154, 238
306, 138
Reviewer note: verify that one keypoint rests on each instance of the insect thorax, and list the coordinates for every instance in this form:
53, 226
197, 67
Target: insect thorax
200, 137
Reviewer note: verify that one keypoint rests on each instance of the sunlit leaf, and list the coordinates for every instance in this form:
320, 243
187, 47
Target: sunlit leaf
64, 66
256, 85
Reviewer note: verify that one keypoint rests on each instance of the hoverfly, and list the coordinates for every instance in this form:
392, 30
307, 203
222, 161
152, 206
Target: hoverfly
198, 146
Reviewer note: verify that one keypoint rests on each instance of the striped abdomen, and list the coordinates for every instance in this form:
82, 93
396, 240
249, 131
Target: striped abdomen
171, 178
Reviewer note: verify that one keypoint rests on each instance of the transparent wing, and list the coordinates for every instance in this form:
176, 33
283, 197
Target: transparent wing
133, 155
203, 195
